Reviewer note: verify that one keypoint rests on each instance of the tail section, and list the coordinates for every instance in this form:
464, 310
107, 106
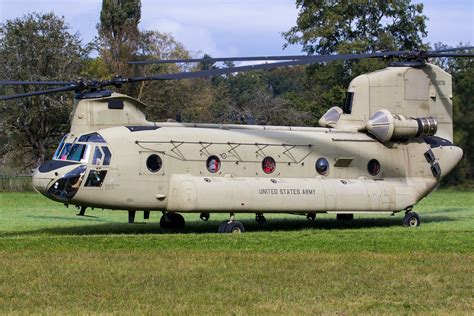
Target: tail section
413, 92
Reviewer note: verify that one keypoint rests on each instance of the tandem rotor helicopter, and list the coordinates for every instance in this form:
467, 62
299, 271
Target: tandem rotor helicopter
384, 150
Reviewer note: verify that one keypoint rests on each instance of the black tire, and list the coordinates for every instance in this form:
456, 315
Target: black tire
172, 221
234, 227
411, 219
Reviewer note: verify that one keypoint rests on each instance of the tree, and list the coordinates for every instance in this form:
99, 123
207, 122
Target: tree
36, 47
462, 71
155, 45
207, 63
119, 34
351, 27
325, 27
166, 99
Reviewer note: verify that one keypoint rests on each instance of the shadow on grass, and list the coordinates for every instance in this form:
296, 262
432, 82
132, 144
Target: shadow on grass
198, 227
83, 218
448, 210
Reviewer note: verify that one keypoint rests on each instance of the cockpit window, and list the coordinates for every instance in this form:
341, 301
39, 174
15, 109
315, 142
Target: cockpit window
60, 146
92, 137
65, 151
95, 178
79, 152
96, 159
108, 155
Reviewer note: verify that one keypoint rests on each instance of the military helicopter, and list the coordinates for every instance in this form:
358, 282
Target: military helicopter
383, 151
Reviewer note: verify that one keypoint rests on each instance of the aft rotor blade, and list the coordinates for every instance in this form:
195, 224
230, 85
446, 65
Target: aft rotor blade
29, 94
448, 55
45, 83
306, 61
219, 59
272, 58
452, 49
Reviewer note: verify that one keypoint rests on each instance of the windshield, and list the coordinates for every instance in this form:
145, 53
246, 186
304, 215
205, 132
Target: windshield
60, 146
65, 151
79, 152
74, 152
87, 145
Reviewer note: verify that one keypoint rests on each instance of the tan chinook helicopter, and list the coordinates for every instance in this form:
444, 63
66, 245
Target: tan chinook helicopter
384, 150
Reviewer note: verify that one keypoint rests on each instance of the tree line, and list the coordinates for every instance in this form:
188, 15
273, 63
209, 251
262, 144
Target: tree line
42, 47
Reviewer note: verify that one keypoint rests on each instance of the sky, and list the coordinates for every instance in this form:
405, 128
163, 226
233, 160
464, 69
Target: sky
234, 27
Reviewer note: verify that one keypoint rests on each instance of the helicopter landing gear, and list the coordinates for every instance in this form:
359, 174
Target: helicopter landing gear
311, 216
146, 214
345, 217
411, 219
172, 221
82, 211
231, 226
204, 217
131, 217
261, 220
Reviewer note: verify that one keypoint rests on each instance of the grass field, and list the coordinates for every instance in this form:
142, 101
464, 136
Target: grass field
54, 262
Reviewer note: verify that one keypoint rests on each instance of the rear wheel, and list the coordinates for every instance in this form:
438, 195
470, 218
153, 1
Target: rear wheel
233, 227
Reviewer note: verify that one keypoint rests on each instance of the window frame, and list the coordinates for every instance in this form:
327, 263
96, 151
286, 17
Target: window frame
263, 164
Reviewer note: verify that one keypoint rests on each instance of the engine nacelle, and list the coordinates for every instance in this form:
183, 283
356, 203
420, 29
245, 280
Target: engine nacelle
386, 126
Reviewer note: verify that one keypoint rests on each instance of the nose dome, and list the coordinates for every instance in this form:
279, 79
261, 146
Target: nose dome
41, 181
457, 155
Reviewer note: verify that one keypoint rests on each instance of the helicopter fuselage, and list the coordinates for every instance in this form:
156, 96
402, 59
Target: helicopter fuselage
199, 168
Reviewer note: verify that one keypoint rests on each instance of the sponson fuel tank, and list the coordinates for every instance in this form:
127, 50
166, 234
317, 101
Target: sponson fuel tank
190, 193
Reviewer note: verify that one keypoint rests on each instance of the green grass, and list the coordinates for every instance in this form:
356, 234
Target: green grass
52, 261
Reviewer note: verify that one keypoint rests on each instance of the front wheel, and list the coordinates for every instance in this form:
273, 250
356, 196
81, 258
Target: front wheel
411, 219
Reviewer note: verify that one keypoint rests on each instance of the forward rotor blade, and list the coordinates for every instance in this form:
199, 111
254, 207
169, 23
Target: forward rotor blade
218, 59
306, 61
29, 94
45, 83
284, 61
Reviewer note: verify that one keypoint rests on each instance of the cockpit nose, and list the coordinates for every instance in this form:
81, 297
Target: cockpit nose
41, 181
58, 179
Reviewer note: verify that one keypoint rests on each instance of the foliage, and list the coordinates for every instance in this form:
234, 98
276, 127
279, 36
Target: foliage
119, 34
36, 47
325, 27
345, 27
285, 96
462, 71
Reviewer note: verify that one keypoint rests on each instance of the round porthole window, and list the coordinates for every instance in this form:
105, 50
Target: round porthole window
373, 167
154, 163
268, 165
322, 166
213, 164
